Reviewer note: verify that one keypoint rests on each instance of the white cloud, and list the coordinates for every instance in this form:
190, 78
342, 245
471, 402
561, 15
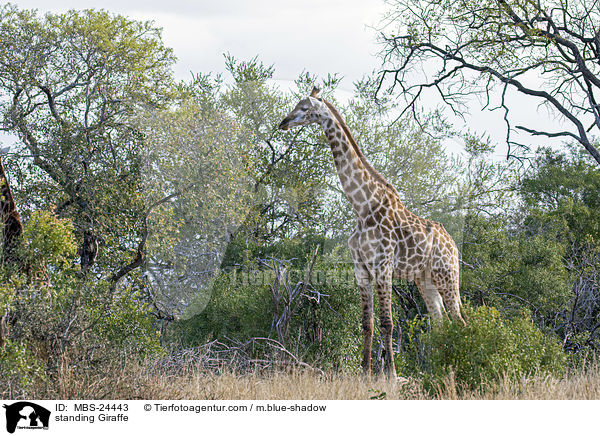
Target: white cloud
317, 36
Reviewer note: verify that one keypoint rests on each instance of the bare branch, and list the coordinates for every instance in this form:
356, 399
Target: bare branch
549, 54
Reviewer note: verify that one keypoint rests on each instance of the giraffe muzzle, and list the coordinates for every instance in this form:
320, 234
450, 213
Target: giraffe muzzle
284, 124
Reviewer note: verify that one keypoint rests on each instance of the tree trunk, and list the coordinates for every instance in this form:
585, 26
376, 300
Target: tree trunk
89, 249
12, 228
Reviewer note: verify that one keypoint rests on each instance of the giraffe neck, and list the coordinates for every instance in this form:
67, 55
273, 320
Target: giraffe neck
361, 183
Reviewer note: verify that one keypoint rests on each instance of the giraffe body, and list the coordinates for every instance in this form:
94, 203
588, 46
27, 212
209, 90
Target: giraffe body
389, 240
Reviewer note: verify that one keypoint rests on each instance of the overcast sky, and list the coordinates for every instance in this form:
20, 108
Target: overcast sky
321, 37
317, 36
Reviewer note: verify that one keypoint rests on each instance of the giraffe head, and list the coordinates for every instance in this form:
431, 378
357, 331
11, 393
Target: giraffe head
309, 110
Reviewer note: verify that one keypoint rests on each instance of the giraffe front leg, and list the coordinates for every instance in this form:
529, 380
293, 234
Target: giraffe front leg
384, 292
366, 296
363, 281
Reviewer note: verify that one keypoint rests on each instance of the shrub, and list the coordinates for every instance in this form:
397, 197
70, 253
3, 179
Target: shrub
327, 327
515, 269
240, 307
324, 327
53, 313
487, 349
19, 368
50, 240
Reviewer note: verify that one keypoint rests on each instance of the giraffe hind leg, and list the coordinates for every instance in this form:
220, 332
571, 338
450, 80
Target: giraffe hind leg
448, 287
431, 295
451, 295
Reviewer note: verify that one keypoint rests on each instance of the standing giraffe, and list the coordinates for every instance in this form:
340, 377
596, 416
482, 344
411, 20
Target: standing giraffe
389, 240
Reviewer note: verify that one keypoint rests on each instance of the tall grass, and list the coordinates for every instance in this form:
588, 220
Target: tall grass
126, 380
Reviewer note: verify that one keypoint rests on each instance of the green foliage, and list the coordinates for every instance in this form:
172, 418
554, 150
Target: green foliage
70, 85
19, 368
542, 255
323, 330
50, 240
327, 330
244, 250
513, 269
561, 200
488, 348
127, 325
287, 168
53, 312
563, 192
195, 181
79, 317
240, 307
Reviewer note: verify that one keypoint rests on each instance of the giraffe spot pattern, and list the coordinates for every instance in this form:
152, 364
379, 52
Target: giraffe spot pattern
389, 240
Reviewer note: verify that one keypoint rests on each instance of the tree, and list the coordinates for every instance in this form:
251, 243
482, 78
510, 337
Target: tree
565, 188
54, 317
289, 168
548, 50
197, 181
543, 255
512, 267
561, 197
70, 85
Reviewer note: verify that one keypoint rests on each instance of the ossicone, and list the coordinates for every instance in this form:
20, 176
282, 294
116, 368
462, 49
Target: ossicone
314, 91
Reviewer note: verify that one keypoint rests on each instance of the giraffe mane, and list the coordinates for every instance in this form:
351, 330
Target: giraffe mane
376, 174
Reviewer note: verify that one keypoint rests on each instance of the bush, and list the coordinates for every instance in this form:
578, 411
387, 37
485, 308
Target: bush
50, 240
487, 349
19, 368
52, 313
515, 269
327, 329
324, 329
240, 307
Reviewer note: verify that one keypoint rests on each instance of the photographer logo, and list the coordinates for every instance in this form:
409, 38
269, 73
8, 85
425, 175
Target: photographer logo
26, 415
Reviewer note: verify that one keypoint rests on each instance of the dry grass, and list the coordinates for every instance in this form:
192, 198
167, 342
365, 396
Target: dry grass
132, 381
581, 385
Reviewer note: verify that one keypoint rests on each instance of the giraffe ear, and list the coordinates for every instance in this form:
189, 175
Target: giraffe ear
314, 92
